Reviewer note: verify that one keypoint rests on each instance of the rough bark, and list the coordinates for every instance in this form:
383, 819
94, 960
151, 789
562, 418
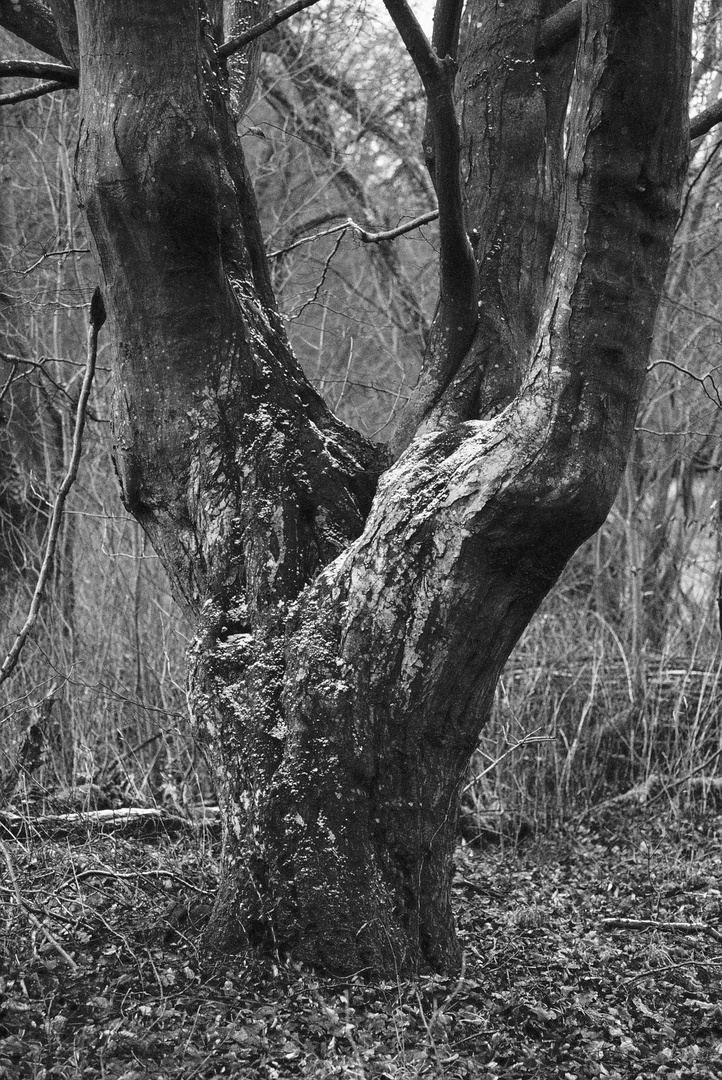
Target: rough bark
349, 636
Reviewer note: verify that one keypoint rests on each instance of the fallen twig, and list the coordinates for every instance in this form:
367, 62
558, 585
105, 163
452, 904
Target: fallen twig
651, 924
123, 818
33, 918
713, 962
118, 875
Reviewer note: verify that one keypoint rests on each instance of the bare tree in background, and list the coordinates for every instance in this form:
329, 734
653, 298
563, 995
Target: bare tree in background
36, 398
353, 603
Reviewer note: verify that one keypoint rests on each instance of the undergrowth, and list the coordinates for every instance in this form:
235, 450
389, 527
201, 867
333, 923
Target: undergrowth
592, 952
96, 716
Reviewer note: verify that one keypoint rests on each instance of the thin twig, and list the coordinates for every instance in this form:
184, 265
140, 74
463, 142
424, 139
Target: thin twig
11, 377
33, 918
48, 255
319, 284
526, 740
40, 365
135, 874
651, 924
360, 233
701, 379
97, 318
234, 44
33, 92
33, 908
713, 962
669, 785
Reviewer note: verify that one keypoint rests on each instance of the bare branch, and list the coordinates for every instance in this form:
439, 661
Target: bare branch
320, 136
560, 27
97, 318
32, 92
14, 363
319, 284
391, 234
31, 915
234, 44
9, 358
370, 119
459, 273
40, 366
417, 44
33, 69
714, 397
706, 120
48, 255
314, 130
445, 43
32, 22
652, 924
360, 233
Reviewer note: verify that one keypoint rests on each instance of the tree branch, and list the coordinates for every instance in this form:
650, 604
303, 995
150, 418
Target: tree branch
560, 27
31, 69
390, 234
360, 233
32, 92
32, 22
417, 44
97, 318
286, 44
706, 120
445, 35
652, 924
458, 313
234, 44
317, 131
444, 43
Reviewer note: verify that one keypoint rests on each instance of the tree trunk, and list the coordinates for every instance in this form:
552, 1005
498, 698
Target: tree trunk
351, 629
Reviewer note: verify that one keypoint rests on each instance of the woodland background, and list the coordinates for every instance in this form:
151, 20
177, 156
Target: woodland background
615, 686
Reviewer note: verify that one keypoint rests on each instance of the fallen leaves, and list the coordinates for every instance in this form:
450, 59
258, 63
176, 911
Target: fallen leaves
588, 954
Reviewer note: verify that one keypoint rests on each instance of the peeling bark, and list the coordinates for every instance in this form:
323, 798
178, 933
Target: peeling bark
353, 615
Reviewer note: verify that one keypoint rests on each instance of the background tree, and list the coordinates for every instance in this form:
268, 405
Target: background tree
83, 678
349, 630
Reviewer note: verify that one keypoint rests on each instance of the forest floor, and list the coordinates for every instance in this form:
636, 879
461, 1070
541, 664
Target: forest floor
101, 977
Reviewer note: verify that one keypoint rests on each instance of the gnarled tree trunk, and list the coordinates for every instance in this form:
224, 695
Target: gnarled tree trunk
353, 614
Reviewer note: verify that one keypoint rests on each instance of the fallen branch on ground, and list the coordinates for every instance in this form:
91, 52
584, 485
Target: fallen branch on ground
651, 924
134, 818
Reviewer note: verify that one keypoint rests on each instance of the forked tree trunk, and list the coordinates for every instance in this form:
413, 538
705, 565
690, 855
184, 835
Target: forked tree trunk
353, 614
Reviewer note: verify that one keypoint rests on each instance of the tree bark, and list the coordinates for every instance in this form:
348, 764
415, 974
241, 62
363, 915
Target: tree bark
351, 630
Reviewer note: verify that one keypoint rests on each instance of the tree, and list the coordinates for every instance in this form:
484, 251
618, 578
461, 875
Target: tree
354, 603
33, 396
